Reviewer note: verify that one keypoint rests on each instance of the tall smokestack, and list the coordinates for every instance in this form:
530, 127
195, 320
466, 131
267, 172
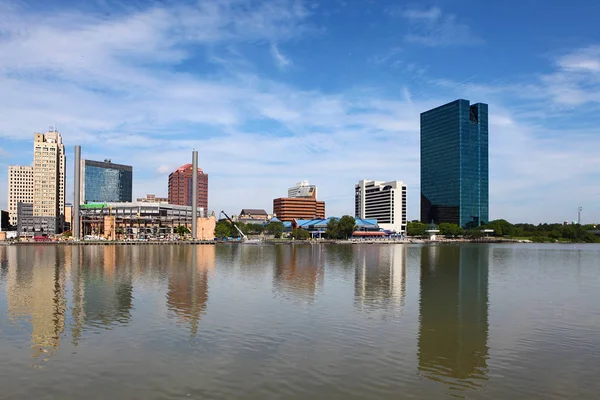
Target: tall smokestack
76, 222
194, 194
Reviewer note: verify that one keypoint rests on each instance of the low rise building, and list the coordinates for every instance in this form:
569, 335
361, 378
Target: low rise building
151, 198
119, 221
30, 225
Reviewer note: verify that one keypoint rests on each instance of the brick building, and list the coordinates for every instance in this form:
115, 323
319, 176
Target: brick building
180, 187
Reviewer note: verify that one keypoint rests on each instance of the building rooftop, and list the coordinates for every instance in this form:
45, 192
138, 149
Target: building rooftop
186, 167
253, 211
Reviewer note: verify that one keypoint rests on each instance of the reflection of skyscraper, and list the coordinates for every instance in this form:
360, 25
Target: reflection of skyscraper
453, 328
35, 291
299, 269
380, 274
187, 296
107, 287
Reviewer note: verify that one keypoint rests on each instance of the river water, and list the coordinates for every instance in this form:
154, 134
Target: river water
300, 322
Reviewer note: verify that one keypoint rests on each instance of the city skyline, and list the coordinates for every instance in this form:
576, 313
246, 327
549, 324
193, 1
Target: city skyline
294, 98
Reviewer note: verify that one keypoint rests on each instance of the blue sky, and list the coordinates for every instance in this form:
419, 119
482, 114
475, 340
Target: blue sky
271, 93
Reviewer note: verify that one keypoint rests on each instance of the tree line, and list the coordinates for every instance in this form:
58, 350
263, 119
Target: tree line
336, 229
502, 228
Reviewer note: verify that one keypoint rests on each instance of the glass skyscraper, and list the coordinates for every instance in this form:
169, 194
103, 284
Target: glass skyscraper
454, 164
106, 182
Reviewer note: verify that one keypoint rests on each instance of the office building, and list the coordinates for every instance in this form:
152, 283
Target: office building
36, 225
180, 187
20, 189
151, 198
302, 190
287, 209
454, 164
105, 182
49, 171
383, 201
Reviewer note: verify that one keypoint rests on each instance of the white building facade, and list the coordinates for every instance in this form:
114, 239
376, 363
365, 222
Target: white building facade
302, 190
383, 201
20, 189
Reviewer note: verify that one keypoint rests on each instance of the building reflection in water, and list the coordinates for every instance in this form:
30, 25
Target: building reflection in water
380, 275
102, 288
187, 294
453, 330
299, 269
35, 292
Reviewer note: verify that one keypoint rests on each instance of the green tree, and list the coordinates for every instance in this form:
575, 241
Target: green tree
416, 229
333, 229
448, 229
254, 229
223, 230
346, 226
182, 230
300, 234
274, 228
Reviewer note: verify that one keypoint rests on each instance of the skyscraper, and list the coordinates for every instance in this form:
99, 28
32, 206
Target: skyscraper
454, 164
41, 188
180, 187
49, 170
383, 201
105, 182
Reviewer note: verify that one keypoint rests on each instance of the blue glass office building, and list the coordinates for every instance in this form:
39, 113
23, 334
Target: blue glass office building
106, 182
454, 164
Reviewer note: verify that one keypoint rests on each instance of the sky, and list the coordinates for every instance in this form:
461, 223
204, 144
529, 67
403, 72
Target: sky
271, 93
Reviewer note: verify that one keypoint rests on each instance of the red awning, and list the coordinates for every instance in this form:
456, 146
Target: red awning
360, 233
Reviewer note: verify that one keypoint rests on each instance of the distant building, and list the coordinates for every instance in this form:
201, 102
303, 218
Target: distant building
20, 189
383, 201
288, 209
43, 184
151, 198
180, 187
302, 190
68, 217
49, 174
4, 220
36, 225
142, 220
252, 213
454, 164
105, 182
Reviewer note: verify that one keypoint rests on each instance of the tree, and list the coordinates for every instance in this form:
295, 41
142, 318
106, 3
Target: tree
416, 229
274, 228
333, 229
448, 229
254, 229
346, 226
182, 230
223, 230
300, 234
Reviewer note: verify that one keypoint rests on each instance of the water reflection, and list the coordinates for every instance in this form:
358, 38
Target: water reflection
299, 269
35, 291
380, 275
453, 330
187, 294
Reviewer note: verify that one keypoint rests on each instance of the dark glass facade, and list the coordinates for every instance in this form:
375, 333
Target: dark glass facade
454, 164
107, 182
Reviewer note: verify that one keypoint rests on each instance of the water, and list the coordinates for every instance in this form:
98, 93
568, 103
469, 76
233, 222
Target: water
300, 321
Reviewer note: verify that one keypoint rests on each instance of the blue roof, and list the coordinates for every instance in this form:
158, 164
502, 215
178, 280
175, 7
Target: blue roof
322, 223
275, 219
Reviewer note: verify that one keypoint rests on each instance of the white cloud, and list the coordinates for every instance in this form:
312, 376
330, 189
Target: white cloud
115, 86
432, 27
281, 60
